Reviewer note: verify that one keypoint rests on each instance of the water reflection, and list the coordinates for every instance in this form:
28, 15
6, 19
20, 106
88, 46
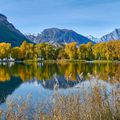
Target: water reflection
68, 75
70, 71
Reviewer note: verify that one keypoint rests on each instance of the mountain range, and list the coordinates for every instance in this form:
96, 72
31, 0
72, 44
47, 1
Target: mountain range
56, 36
114, 35
59, 36
96, 40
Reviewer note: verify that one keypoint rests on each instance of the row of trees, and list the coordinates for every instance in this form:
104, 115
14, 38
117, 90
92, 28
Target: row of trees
100, 51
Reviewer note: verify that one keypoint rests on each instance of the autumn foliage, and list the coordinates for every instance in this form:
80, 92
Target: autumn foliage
45, 51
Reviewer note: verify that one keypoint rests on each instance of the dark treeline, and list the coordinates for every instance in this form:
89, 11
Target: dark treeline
45, 51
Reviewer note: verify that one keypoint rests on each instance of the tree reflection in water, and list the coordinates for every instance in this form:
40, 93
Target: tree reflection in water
67, 74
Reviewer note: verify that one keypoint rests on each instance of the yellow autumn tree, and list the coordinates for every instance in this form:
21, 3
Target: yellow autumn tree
5, 49
71, 50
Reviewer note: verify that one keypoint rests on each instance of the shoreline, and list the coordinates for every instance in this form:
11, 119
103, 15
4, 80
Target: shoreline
61, 61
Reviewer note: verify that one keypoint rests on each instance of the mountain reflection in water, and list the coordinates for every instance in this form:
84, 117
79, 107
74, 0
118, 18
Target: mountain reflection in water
21, 79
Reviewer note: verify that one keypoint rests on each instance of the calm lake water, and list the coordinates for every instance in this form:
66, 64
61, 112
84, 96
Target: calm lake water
40, 80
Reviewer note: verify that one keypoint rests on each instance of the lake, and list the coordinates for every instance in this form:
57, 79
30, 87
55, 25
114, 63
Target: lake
41, 80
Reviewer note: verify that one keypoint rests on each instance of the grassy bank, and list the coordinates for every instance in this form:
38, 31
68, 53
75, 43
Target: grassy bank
61, 61
103, 61
78, 61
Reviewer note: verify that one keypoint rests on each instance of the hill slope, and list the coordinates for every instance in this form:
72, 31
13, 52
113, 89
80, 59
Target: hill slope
8, 33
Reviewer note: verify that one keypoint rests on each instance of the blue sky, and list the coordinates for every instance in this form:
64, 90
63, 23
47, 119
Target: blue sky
87, 17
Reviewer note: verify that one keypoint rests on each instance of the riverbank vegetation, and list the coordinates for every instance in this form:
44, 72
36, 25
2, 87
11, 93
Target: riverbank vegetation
45, 51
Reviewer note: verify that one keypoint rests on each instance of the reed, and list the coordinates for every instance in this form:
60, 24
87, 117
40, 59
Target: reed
67, 107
